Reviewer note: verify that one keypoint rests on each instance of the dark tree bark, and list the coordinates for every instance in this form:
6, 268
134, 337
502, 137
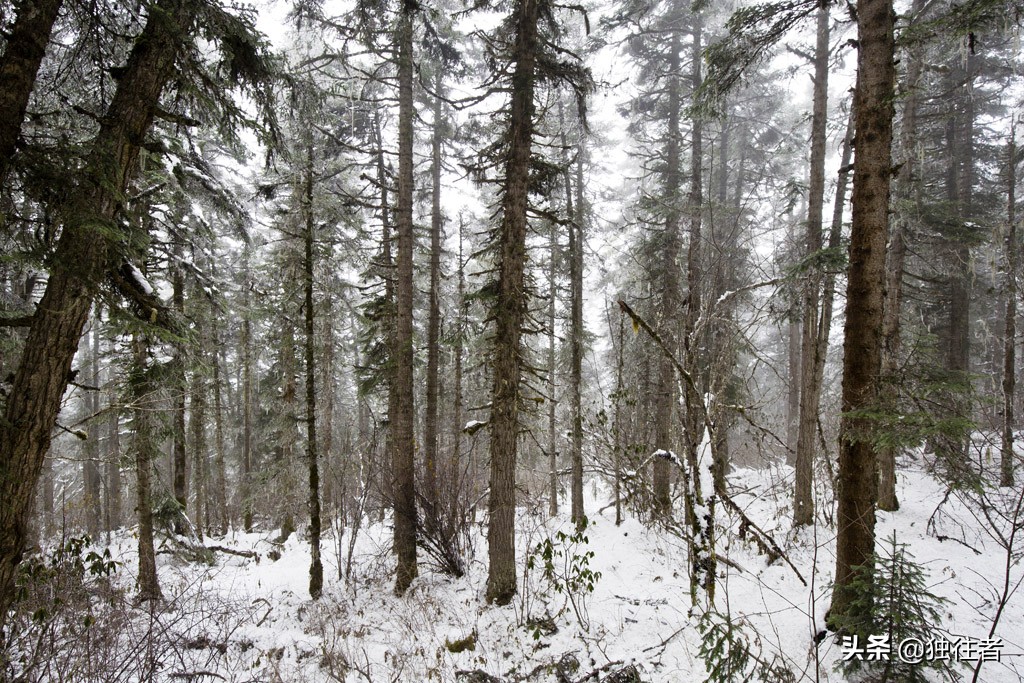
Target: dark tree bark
430, 437
112, 479
220, 498
810, 391
402, 421
197, 424
862, 357
145, 449
509, 311
91, 465
245, 483
26, 47
316, 568
1006, 464
576, 332
79, 261
552, 373
179, 461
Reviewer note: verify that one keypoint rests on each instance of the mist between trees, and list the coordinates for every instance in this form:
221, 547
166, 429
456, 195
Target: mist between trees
314, 267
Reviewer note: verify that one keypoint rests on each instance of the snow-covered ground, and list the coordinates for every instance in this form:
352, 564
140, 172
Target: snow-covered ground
243, 620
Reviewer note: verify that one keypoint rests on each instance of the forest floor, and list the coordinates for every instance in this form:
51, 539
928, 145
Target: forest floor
247, 620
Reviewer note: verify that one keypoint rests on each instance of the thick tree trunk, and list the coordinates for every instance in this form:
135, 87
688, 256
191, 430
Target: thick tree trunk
79, 262
26, 47
862, 357
509, 311
402, 353
803, 500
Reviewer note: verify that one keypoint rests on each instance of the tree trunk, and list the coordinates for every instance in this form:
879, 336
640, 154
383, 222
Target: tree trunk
430, 446
897, 254
862, 357
670, 304
1010, 332
576, 331
26, 47
91, 464
197, 423
143, 443
316, 568
552, 371
402, 353
113, 462
803, 499
509, 311
220, 497
79, 261
179, 389
700, 504
245, 483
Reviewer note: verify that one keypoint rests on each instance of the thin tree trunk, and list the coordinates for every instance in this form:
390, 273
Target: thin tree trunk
144, 445
90, 467
576, 332
509, 310
670, 304
245, 485
552, 374
316, 568
197, 423
179, 389
897, 254
862, 357
220, 498
113, 462
618, 418
26, 47
79, 261
803, 499
700, 505
402, 353
1010, 332
430, 446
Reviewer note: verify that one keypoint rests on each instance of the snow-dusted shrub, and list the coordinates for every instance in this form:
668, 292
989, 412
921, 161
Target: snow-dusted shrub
732, 654
65, 604
564, 562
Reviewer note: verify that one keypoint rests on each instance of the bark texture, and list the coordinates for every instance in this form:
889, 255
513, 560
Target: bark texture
862, 357
79, 262
403, 417
810, 390
509, 312
26, 47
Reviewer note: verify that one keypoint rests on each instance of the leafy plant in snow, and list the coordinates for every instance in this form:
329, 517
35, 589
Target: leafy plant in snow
564, 562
